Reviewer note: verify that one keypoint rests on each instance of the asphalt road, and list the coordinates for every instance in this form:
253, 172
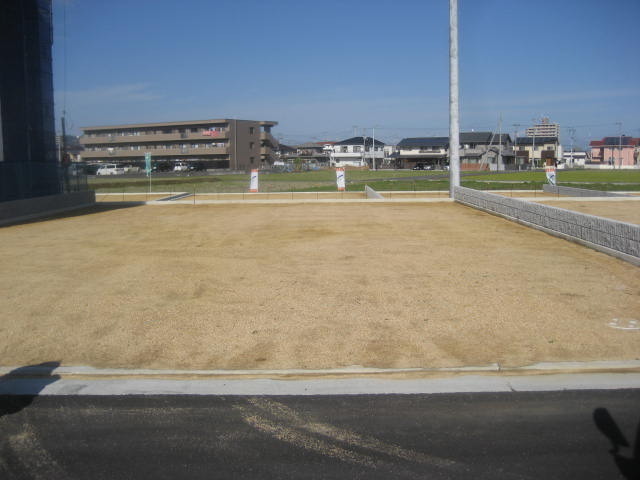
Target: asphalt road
469, 436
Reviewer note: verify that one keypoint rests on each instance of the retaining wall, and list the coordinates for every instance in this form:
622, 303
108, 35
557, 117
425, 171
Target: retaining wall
615, 238
371, 193
579, 192
18, 210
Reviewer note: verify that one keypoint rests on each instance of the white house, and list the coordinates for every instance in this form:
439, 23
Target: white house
357, 152
575, 158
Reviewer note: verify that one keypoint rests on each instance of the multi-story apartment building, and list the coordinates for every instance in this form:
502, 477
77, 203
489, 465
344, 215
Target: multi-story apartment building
224, 143
544, 129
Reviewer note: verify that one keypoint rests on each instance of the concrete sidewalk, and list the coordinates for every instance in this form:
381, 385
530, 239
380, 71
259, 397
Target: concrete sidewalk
51, 380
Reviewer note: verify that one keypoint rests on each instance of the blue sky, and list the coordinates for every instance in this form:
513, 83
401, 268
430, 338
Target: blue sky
321, 68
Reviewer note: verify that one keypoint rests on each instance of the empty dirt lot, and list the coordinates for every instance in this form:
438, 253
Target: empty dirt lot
306, 286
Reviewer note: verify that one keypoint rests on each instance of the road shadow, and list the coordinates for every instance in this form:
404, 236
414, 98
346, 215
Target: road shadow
21, 386
629, 466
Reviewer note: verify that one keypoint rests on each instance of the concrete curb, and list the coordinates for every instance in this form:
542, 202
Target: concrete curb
352, 371
547, 376
350, 386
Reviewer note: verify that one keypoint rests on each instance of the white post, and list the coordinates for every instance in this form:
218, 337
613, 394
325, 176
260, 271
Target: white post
454, 120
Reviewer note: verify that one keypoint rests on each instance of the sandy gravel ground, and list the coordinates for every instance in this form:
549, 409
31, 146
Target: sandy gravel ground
524, 193
306, 286
615, 209
280, 196
129, 197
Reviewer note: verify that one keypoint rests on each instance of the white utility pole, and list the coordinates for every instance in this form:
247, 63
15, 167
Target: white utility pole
533, 151
454, 110
572, 132
515, 145
619, 146
373, 148
364, 147
499, 142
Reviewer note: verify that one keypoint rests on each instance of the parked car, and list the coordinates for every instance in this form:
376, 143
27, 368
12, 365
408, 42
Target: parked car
421, 166
162, 166
92, 168
110, 169
181, 167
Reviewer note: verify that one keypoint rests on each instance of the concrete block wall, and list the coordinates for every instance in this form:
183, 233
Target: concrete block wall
580, 192
371, 193
609, 236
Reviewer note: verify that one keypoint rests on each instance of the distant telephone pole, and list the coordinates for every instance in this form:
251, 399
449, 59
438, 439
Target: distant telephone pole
454, 111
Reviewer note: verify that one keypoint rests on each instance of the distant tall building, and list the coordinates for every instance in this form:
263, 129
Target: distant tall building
544, 129
28, 164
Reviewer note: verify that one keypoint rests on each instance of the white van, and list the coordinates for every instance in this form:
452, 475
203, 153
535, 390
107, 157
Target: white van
110, 169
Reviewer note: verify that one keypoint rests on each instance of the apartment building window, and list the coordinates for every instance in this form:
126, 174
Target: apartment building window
251, 130
251, 160
356, 148
251, 144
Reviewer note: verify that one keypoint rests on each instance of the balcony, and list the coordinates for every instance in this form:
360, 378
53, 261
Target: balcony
422, 153
348, 155
158, 137
159, 152
267, 137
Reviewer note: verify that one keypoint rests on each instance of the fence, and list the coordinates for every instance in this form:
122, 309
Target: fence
615, 238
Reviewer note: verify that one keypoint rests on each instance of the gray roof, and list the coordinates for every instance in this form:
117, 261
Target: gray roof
311, 145
359, 141
484, 137
465, 137
538, 140
424, 142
